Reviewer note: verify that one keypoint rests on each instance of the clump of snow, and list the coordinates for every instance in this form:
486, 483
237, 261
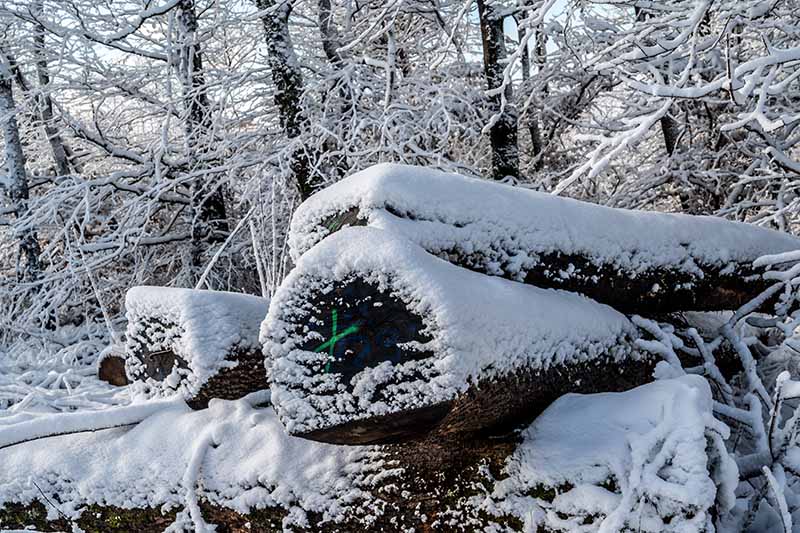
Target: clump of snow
232, 454
651, 459
201, 327
506, 229
480, 327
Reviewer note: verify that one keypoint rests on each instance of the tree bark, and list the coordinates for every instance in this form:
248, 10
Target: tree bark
670, 129
16, 181
209, 201
531, 117
289, 87
503, 133
45, 102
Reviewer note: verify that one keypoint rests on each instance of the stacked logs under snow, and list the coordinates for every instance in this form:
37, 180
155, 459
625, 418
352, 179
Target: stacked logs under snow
373, 340
196, 343
636, 261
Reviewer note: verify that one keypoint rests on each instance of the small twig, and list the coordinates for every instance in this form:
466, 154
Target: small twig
54, 506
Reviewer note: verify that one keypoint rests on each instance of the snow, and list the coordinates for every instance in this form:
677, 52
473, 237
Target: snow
480, 327
237, 454
201, 327
651, 458
505, 229
55, 371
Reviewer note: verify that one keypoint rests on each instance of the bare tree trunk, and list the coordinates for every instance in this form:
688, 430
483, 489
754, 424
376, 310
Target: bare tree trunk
531, 117
288, 81
209, 202
44, 102
503, 133
16, 179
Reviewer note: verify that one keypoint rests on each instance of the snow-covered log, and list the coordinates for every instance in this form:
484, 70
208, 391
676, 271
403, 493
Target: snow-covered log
652, 459
200, 344
371, 339
635, 261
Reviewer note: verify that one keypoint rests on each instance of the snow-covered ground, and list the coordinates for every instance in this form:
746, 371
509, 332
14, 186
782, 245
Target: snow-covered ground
652, 456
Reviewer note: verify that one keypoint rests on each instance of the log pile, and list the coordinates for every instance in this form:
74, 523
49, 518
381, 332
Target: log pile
196, 343
636, 261
395, 332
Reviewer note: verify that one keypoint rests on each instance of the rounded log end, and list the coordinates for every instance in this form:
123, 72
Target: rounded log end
112, 370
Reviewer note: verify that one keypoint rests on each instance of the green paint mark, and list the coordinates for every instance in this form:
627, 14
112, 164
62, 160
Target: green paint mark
335, 337
334, 225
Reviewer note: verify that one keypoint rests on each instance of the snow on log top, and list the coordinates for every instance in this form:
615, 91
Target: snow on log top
198, 326
479, 327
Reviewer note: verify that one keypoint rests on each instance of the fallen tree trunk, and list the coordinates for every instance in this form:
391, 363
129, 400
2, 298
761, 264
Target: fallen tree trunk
372, 340
195, 343
635, 261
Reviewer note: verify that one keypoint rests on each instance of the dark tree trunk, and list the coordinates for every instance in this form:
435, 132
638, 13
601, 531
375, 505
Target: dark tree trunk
503, 133
531, 116
211, 222
28, 267
670, 129
288, 80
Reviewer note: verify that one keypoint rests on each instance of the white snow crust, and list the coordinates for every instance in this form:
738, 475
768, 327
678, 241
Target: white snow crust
510, 227
200, 326
659, 443
239, 457
481, 327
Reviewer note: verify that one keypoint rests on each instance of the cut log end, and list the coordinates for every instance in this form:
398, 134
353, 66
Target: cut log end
363, 327
112, 371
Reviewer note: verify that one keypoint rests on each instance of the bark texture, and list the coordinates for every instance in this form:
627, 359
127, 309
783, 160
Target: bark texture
503, 133
666, 289
288, 80
15, 183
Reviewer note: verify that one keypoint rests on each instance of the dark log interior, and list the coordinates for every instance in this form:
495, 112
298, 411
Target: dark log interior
112, 371
363, 327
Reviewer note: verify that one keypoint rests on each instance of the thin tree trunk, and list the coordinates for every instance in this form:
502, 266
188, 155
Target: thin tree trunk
670, 129
288, 81
16, 179
503, 133
44, 102
209, 201
531, 117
